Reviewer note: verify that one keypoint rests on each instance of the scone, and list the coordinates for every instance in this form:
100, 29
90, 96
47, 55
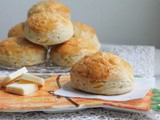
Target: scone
50, 6
102, 73
20, 52
17, 31
48, 29
68, 53
88, 32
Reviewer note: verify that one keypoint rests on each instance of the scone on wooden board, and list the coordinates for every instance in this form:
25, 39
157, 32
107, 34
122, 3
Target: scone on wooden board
50, 6
48, 29
20, 52
68, 53
17, 31
88, 32
102, 73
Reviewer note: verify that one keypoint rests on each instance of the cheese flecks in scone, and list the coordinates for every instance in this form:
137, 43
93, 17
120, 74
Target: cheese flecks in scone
50, 6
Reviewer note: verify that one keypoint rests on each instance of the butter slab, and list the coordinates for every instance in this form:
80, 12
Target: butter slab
13, 76
34, 79
22, 88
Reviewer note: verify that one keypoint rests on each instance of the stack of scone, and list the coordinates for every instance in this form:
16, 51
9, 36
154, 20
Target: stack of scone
48, 24
75, 45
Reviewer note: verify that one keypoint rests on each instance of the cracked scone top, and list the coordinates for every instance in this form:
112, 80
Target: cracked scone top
48, 29
102, 73
50, 6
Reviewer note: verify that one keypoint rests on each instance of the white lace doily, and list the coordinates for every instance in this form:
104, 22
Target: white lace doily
89, 114
142, 60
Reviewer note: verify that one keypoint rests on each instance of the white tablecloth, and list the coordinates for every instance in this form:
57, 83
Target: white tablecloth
140, 57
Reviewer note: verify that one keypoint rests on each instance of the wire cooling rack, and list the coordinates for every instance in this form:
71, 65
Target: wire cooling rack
46, 68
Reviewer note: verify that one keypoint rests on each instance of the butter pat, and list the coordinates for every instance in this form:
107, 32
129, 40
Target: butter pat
13, 76
34, 79
22, 88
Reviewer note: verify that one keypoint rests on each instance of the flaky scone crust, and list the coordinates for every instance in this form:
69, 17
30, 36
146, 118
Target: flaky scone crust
17, 31
50, 6
100, 65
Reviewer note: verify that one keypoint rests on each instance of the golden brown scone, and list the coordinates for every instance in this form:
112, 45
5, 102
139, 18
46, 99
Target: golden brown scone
102, 73
88, 32
50, 6
48, 29
20, 52
68, 53
17, 31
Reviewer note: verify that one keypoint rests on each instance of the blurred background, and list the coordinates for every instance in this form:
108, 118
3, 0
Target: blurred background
128, 22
